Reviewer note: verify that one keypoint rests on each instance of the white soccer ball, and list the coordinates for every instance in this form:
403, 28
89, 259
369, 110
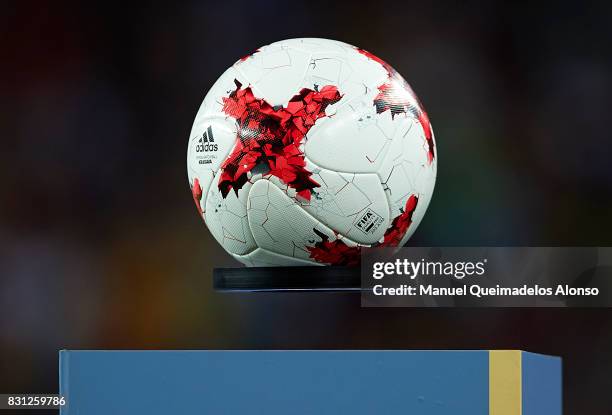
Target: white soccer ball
308, 150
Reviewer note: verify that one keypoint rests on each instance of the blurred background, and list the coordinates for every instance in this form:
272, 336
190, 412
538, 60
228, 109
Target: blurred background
101, 246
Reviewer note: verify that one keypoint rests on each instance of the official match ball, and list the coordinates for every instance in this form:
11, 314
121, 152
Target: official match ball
308, 150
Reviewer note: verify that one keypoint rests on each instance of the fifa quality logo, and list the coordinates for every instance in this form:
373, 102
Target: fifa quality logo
369, 222
206, 144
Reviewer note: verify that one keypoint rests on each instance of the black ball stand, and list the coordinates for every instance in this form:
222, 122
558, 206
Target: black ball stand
306, 278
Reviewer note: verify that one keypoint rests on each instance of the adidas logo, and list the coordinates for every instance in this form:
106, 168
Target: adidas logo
207, 141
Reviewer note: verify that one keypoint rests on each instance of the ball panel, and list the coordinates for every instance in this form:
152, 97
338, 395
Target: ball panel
275, 73
311, 45
212, 139
424, 186
356, 133
351, 72
353, 205
203, 157
417, 217
406, 172
279, 225
264, 258
212, 106
226, 218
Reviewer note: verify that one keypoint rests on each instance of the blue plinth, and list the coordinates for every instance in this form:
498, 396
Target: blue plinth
309, 382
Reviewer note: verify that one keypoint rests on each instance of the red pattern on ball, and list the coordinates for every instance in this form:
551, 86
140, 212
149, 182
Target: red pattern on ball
270, 137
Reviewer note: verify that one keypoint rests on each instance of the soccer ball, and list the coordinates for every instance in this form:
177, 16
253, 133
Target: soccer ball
308, 150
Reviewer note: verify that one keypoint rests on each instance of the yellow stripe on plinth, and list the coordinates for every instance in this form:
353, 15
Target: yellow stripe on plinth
505, 382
